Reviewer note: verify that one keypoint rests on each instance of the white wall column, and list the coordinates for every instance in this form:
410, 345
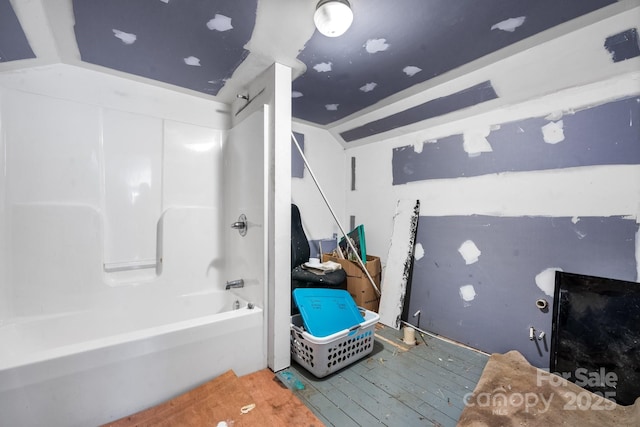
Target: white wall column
272, 91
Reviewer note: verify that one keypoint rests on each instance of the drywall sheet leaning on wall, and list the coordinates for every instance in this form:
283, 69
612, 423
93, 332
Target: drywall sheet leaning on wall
607, 134
480, 276
399, 262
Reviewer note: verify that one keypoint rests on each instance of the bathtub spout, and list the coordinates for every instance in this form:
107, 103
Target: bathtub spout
235, 284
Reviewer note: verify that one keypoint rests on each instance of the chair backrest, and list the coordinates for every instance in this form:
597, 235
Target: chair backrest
300, 250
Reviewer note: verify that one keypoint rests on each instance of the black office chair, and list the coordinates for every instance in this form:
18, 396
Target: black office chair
300, 251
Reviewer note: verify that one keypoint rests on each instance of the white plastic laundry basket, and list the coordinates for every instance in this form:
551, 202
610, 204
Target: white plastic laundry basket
323, 356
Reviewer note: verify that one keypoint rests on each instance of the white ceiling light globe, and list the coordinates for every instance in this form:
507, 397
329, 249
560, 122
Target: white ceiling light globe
333, 17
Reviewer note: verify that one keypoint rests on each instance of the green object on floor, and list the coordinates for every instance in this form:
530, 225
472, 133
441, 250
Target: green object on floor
289, 379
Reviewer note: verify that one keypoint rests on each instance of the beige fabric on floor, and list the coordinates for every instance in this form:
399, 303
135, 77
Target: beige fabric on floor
512, 393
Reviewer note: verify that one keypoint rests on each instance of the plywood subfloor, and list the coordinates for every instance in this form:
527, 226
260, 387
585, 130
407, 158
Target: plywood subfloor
396, 385
222, 398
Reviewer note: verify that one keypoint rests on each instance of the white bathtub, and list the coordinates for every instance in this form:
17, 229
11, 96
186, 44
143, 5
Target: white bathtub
87, 368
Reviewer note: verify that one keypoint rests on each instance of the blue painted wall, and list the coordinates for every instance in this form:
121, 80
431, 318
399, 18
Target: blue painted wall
514, 250
603, 135
489, 304
437, 107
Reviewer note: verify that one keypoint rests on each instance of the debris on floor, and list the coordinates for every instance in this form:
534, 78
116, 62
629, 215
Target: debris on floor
289, 379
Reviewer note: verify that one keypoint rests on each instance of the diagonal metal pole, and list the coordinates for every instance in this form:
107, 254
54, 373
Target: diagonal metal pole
335, 218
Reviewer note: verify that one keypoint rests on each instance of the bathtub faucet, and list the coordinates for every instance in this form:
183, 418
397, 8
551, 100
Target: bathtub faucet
235, 284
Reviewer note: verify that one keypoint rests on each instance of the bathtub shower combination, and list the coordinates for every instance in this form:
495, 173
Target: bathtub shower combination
90, 367
124, 280
126, 339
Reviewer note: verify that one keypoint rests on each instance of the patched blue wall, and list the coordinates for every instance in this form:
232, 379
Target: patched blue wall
489, 303
437, 107
513, 251
604, 135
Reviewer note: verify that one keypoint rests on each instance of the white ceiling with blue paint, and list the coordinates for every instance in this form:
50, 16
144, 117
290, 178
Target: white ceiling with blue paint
214, 48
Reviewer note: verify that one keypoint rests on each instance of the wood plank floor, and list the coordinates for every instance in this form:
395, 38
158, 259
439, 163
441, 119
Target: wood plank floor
396, 385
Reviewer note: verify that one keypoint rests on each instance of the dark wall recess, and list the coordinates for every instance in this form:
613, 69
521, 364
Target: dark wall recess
353, 173
608, 134
297, 164
513, 250
624, 45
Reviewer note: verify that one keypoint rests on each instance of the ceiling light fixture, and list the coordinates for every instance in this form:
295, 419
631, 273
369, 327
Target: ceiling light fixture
333, 17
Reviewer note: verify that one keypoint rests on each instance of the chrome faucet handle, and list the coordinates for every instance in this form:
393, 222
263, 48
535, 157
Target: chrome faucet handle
240, 225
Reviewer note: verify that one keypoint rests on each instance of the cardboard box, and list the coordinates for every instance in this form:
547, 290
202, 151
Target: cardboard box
358, 283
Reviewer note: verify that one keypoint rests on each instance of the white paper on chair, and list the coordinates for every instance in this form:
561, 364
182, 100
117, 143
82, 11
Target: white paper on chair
322, 267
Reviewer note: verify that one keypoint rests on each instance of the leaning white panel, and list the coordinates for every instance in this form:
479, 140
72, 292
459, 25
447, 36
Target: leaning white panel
399, 260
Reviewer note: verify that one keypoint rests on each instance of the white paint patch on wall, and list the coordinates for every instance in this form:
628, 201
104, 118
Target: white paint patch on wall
323, 67
559, 192
468, 294
127, 38
575, 219
556, 115
510, 24
553, 132
376, 45
193, 61
411, 70
331, 107
296, 94
418, 146
369, 87
546, 280
418, 252
476, 143
220, 23
470, 252
556, 192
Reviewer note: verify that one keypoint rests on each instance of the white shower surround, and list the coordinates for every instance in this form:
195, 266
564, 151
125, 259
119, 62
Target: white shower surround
94, 338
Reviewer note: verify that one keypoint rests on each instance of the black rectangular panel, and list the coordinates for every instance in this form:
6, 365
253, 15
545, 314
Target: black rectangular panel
596, 335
